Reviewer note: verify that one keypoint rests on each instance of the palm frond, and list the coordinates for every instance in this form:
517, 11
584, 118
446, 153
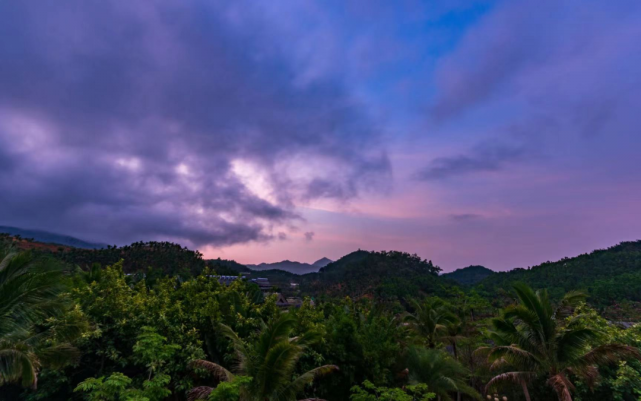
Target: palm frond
298, 385
59, 355
499, 363
30, 292
214, 369
277, 367
514, 355
308, 338
609, 353
18, 366
538, 304
509, 377
6, 259
571, 344
275, 332
589, 374
562, 386
239, 347
568, 303
199, 393
439, 371
463, 388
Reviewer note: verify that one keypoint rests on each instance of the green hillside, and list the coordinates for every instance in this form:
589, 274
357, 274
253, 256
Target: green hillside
226, 267
610, 276
158, 337
469, 275
375, 274
165, 257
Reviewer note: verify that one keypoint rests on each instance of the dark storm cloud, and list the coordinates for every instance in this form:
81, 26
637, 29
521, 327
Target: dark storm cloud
464, 217
483, 158
122, 121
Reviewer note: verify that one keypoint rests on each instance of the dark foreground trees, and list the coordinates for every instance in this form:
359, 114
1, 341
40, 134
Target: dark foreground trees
104, 335
442, 374
268, 363
30, 301
533, 340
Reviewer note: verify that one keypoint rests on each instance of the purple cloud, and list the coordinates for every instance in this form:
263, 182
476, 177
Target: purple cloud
124, 121
548, 76
484, 158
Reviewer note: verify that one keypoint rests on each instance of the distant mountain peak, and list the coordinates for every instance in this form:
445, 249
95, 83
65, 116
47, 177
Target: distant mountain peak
51, 238
286, 265
322, 262
293, 266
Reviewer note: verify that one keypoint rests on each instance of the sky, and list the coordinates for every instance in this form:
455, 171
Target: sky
500, 133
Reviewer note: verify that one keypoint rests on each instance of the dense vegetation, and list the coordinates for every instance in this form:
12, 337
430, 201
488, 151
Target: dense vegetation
381, 275
383, 326
166, 257
612, 278
469, 275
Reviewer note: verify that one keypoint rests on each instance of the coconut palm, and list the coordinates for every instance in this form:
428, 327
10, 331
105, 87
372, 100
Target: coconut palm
452, 334
442, 373
30, 289
430, 319
270, 361
531, 341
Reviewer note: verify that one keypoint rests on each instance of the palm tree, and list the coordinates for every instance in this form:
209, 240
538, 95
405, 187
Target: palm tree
430, 319
270, 361
530, 338
452, 334
442, 374
30, 290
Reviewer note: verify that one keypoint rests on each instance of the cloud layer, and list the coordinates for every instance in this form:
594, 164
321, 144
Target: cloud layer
242, 127
122, 121
546, 76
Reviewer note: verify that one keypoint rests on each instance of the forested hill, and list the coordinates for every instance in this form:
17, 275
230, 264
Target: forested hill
379, 274
226, 267
612, 276
165, 258
469, 275
609, 275
384, 275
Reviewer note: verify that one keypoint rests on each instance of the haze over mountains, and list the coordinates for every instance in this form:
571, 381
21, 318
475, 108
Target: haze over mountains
51, 238
293, 267
609, 274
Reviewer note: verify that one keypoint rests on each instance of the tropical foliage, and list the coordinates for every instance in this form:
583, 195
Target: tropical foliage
532, 340
440, 372
269, 360
32, 333
369, 392
382, 326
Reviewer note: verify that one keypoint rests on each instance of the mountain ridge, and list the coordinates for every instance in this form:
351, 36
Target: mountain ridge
51, 238
292, 266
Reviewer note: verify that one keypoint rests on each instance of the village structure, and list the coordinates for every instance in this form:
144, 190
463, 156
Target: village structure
267, 289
